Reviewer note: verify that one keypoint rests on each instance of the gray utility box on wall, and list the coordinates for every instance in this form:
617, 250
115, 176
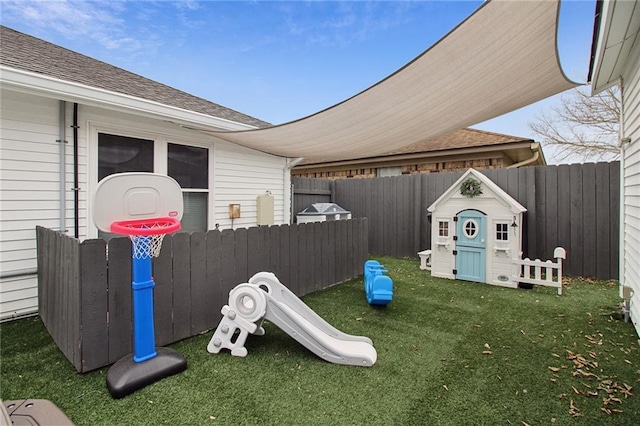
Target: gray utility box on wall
321, 212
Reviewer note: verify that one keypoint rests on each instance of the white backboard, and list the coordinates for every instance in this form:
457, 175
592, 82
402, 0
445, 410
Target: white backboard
131, 196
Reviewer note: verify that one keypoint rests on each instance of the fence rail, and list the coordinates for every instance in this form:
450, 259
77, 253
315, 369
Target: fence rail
85, 295
572, 206
546, 273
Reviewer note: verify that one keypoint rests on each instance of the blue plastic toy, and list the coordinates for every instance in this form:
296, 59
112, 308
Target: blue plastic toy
377, 286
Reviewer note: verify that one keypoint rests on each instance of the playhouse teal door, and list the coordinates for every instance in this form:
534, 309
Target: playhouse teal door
471, 257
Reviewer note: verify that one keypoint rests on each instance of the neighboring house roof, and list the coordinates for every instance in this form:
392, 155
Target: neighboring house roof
458, 142
24, 52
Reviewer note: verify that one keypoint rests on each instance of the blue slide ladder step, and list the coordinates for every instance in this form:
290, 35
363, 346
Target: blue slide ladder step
378, 287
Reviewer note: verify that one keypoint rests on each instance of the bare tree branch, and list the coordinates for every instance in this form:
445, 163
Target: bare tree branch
582, 126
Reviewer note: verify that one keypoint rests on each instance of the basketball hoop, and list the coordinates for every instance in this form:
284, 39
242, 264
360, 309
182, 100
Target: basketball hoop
146, 234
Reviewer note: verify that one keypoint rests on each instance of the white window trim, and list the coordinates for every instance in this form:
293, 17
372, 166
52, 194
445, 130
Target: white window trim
160, 163
495, 230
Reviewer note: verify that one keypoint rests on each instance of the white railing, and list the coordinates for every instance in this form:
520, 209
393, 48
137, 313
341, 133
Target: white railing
539, 272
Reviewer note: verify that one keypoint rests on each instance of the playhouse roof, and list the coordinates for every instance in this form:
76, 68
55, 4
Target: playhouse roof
516, 207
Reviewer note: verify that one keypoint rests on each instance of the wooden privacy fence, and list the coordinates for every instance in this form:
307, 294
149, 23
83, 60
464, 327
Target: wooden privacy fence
85, 295
572, 206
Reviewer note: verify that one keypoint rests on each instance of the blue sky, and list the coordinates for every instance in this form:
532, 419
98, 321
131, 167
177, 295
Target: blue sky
277, 61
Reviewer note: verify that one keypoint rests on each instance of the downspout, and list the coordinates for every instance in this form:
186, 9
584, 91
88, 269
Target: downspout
291, 163
624, 142
76, 184
63, 162
533, 159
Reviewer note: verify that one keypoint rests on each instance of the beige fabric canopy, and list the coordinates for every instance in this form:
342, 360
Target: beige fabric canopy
501, 58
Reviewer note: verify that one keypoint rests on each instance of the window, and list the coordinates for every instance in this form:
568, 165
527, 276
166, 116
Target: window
120, 154
443, 228
470, 229
389, 171
189, 166
502, 232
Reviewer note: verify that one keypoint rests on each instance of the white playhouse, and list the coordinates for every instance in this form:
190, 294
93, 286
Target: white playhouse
476, 230
476, 235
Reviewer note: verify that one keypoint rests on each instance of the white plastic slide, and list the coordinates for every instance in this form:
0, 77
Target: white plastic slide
265, 297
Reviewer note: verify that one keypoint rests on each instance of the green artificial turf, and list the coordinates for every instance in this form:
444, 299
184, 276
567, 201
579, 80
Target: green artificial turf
449, 353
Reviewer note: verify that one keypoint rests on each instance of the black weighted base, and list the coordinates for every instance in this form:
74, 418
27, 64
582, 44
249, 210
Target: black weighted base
127, 376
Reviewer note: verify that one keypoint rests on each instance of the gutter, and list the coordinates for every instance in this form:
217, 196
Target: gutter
291, 163
76, 179
63, 163
534, 158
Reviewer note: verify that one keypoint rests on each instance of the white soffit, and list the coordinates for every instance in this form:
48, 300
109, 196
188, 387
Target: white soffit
501, 58
618, 31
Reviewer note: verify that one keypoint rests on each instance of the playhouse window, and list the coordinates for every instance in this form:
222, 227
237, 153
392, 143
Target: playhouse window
470, 228
502, 231
443, 228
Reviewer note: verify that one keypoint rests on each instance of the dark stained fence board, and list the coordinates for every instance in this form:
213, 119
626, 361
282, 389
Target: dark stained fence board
589, 219
96, 341
532, 224
73, 302
163, 295
181, 267
283, 249
564, 208
275, 233
242, 260
550, 211
294, 263
602, 223
215, 297
227, 267
119, 297
199, 289
304, 269
325, 263
614, 220
575, 260
316, 256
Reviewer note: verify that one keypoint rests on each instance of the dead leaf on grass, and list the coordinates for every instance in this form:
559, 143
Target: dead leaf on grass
573, 410
554, 369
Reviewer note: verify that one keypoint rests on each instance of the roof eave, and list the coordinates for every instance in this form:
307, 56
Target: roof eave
38, 84
525, 144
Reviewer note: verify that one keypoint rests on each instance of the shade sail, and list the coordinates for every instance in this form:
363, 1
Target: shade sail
501, 58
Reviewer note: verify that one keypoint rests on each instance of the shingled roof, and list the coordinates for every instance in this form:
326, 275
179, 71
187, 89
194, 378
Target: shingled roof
459, 139
24, 52
463, 138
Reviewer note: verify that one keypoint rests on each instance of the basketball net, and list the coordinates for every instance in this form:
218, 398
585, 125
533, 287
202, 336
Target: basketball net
147, 234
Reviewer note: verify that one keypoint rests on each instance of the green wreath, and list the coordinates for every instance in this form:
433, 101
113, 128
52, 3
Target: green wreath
470, 188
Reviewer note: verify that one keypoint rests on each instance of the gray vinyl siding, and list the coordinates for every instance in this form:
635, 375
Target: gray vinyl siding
631, 185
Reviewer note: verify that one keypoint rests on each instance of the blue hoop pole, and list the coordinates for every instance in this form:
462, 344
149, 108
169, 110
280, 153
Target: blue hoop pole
144, 344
